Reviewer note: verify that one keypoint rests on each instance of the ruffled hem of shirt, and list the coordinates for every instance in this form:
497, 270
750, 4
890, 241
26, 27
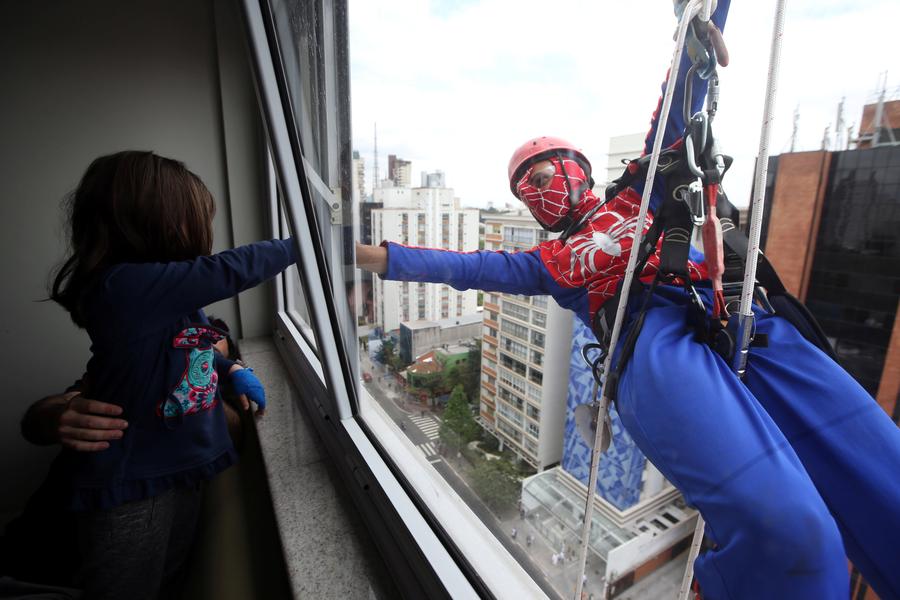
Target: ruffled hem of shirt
84, 499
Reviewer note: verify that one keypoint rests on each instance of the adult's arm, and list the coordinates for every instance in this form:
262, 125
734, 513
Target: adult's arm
73, 421
167, 290
675, 124
508, 272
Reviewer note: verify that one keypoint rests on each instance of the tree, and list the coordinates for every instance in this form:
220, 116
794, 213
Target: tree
389, 356
497, 484
467, 373
472, 374
387, 352
458, 427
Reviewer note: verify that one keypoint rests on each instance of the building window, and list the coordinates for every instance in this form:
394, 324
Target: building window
511, 398
519, 235
539, 319
537, 339
537, 357
512, 364
536, 376
515, 311
533, 429
445, 231
420, 229
533, 412
510, 414
514, 329
512, 381
530, 447
514, 347
511, 432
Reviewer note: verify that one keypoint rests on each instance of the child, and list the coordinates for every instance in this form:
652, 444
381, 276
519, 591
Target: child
790, 467
139, 272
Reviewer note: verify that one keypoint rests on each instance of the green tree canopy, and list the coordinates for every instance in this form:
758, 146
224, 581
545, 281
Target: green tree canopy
497, 484
458, 426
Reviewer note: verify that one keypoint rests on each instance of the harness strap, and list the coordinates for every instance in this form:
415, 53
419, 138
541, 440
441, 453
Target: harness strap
674, 220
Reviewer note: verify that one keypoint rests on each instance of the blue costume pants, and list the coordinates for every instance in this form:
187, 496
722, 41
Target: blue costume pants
792, 468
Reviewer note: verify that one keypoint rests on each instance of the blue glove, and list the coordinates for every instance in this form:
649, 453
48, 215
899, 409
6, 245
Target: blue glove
245, 382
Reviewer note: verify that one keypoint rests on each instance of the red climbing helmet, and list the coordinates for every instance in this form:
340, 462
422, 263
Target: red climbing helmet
538, 149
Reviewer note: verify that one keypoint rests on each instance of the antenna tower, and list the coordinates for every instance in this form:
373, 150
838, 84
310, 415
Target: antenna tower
796, 128
375, 165
839, 126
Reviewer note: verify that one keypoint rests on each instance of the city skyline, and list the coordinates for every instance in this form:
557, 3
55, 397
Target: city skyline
463, 108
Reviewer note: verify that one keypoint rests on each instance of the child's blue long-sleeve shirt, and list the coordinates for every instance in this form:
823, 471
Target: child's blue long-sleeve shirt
152, 355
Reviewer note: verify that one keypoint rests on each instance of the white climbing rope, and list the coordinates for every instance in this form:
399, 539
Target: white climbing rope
690, 12
745, 317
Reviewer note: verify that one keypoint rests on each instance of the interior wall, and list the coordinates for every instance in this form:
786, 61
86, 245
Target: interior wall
83, 79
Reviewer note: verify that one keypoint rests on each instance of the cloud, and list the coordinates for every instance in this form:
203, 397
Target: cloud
457, 86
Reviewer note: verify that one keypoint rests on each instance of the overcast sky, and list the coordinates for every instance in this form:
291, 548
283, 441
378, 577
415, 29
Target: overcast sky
456, 85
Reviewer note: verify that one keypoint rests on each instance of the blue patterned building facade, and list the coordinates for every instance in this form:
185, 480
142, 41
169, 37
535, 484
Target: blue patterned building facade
621, 467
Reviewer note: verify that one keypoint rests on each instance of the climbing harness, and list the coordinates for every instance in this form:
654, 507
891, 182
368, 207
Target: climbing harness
693, 169
690, 11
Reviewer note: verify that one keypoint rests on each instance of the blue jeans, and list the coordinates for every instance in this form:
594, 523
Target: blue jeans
790, 468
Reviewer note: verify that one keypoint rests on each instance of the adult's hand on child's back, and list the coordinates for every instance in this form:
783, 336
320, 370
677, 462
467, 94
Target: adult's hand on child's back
88, 425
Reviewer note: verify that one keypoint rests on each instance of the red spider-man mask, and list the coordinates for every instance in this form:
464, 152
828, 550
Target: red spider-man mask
547, 191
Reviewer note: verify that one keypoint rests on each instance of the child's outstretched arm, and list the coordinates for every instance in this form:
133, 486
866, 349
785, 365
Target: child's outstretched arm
514, 273
166, 290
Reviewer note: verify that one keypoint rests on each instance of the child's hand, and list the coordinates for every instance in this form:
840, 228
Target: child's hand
248, 387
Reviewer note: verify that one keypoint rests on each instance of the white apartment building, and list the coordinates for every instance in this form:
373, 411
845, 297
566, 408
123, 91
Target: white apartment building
621, 147
427, 217
358, 176
524, 355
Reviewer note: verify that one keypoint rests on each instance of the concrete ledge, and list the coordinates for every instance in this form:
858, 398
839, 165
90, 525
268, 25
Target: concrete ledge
327, 549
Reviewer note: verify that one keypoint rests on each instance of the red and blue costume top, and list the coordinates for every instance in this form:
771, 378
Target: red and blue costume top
583, 271
152, 355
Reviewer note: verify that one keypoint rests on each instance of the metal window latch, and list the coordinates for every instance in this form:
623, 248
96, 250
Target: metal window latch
334, 206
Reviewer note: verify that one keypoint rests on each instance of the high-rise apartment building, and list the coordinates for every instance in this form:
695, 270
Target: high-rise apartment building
359, 177
621, 147
524, 369
399, 171
427, 217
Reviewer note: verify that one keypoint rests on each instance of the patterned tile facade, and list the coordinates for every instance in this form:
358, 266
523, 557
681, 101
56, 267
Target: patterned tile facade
621, 466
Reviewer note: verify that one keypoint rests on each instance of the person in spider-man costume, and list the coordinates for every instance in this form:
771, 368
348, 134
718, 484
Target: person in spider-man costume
793, 468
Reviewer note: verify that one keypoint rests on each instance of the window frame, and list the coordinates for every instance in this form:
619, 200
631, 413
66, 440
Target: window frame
424, 559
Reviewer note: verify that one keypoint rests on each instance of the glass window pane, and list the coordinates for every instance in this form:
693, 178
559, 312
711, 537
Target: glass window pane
485, 404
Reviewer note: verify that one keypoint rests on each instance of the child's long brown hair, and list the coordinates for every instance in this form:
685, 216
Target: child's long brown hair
131, 207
